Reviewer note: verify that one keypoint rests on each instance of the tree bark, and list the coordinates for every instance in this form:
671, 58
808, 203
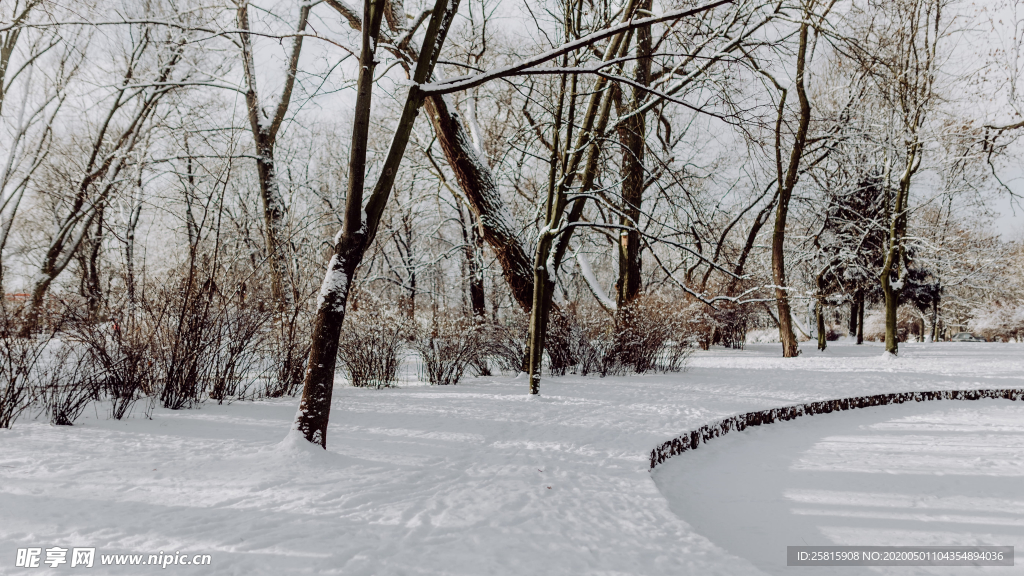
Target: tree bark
360, 222
633, 136
264, 132
790, 348
481, 189
860, 318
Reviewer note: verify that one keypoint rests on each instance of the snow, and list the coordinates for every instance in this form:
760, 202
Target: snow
930, 474
595, 286
476, 479
335, 282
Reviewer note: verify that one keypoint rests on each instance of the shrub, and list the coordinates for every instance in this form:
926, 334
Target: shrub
291, 342
121, 360
240, 334
20, 359
504, 343
187, 342
371, 345
66, 385
651, 334
579, 339
447, 349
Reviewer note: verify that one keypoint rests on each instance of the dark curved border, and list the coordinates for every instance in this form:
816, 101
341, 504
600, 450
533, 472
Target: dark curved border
694, 438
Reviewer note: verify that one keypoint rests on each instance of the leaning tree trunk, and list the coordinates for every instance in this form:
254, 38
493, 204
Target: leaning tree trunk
481, 189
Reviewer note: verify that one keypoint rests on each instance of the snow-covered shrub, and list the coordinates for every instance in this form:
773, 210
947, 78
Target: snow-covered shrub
21, 359
371, 345
651, 333
18, 358
504, 343
66, 384
726, 326
186, 343
120, 354
447, 348
578, 339
998, 321
242, 344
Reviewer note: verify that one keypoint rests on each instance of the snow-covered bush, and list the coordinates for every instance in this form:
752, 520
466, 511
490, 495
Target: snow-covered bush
66, 384
289, 350
651, 333
579, 339
18, 358
23, 361
504, 343
120, 354
371, 345
186, 340
447, 348
998, 321
874, 324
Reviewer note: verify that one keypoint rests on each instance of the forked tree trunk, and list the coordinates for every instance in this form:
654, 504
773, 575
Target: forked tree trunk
361, 221
896, 210
264, 128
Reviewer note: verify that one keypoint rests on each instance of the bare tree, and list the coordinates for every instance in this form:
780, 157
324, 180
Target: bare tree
266, 114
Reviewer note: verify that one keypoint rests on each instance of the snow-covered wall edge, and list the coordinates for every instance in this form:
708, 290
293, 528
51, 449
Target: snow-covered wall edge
694, 438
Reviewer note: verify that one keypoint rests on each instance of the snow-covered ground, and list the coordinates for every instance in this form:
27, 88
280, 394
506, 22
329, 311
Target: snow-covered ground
478, 479
930, 474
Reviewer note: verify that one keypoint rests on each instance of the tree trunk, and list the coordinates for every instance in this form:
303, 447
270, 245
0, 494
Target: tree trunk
274, 225
860, 317
539, 313
92, 281
481, 190
264, 128
819, 318
852, 329
361, 221
633, 135
892, 300
790, 348
471, 243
